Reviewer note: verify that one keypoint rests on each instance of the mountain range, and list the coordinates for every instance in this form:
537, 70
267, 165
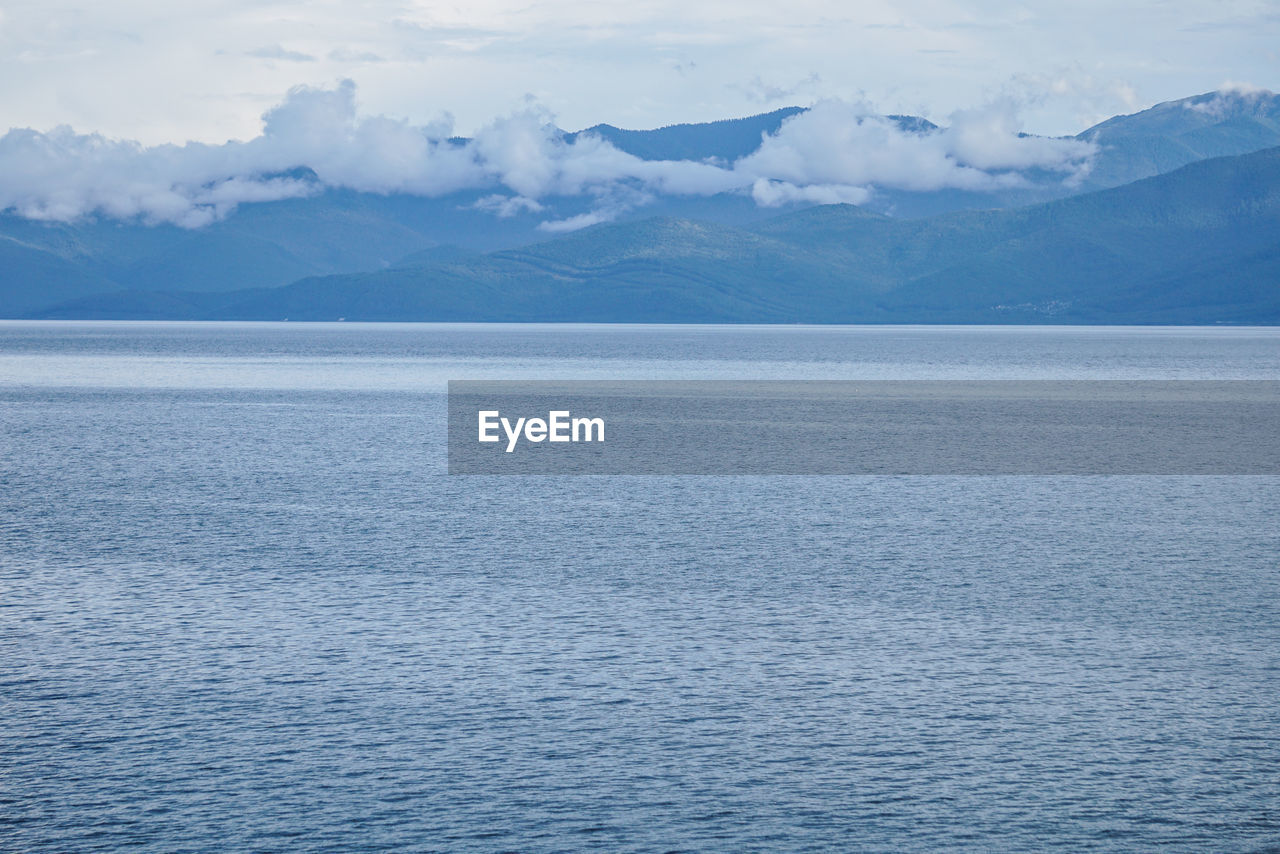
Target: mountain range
1177, 221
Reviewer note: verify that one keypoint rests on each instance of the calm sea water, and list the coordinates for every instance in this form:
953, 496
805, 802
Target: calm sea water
243, 608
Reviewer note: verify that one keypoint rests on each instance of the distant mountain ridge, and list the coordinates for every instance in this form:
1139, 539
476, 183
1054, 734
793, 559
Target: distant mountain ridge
271, 244
725, 140
1198, 245
1172, 134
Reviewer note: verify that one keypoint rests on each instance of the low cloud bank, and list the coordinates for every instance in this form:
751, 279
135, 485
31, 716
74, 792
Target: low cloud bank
833, 152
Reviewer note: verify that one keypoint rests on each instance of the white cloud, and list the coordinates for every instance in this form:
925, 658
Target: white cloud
990, 138
771, 194
574, 223
507, 206
343, 54
1244, 90
62, 175
834, 152
841, 144
758, 91
276, 51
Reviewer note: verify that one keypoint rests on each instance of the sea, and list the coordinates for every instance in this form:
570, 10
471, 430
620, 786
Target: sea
244, 607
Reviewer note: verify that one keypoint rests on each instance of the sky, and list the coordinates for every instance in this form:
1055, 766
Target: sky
208, 70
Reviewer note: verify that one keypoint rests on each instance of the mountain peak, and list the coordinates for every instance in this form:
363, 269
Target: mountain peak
723, 140
1225, 123
1196, 111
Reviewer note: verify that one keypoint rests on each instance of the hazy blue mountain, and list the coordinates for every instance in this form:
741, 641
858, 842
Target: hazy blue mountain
1152, 142
271, 244
1175, 133
1199, 245
1131, 147
260, 245
726, 140
41, 278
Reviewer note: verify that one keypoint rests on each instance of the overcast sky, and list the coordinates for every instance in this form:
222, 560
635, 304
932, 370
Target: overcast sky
208, 69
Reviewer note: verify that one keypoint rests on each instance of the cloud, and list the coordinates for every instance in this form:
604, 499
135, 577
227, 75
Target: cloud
346, 55
758, 91
990, 138
771, 194
316, 139
275, 51
574, 223
837, 144
507, 206
62, 176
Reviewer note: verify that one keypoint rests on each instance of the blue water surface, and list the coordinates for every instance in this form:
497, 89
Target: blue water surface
243, 608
